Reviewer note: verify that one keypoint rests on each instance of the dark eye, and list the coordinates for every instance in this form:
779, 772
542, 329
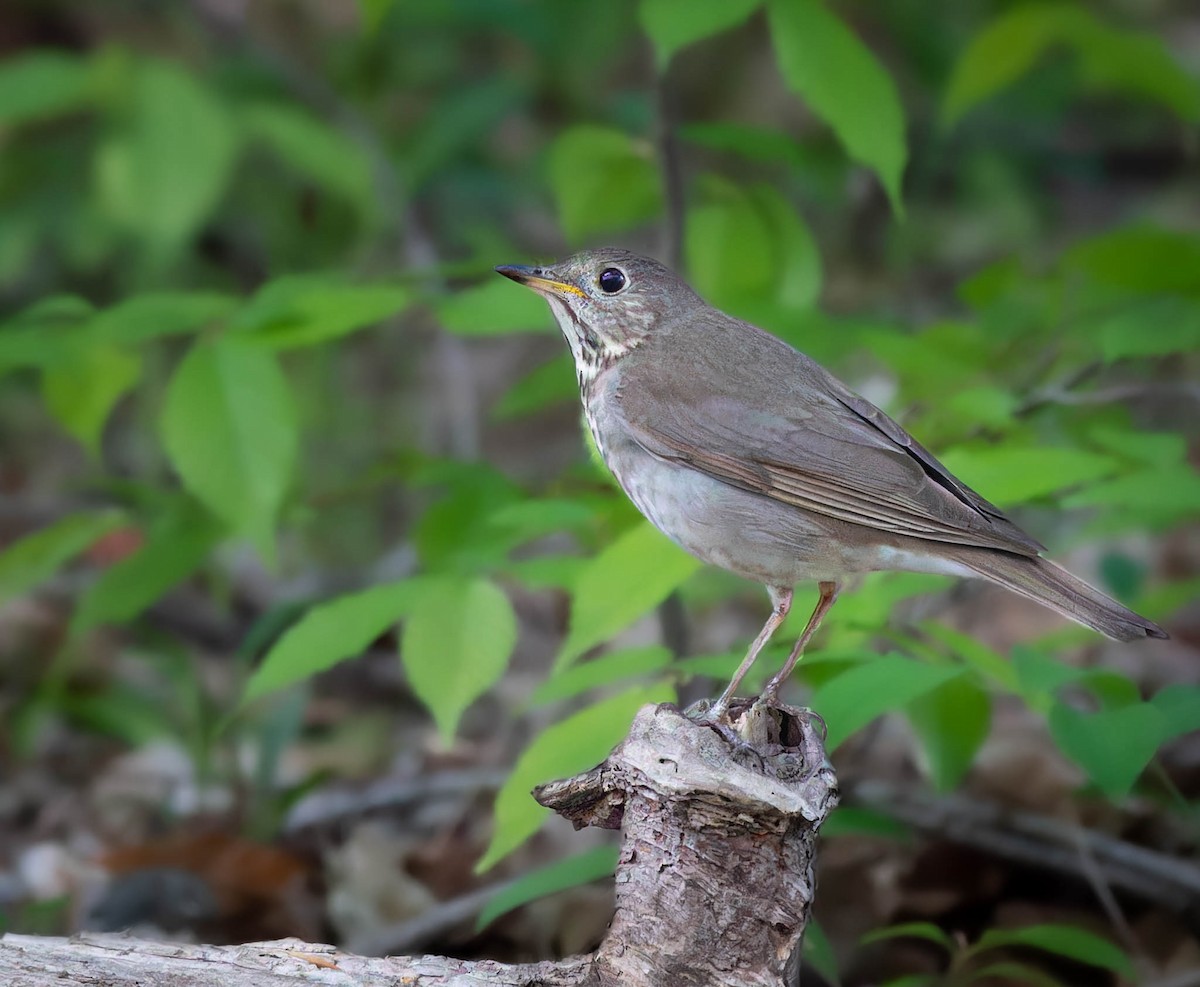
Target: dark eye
612, 280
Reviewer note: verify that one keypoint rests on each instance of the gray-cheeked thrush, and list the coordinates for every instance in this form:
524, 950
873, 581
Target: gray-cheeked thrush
753, 457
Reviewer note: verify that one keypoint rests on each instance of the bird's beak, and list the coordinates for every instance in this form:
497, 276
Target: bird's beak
539, 280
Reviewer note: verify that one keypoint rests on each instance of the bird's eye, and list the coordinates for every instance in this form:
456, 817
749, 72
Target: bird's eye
612, 280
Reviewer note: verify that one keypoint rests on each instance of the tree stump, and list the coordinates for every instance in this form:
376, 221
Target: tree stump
714, 882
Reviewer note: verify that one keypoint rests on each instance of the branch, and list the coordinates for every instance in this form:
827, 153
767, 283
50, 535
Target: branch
1043, 842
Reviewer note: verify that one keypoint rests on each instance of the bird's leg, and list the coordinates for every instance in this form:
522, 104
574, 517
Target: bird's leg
829, 592
781, 603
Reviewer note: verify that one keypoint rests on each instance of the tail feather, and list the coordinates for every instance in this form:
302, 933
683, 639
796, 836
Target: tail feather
1051, 585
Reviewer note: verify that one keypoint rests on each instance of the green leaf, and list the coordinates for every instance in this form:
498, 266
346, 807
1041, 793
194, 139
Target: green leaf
525, 520
952, 722
751, 246
36, 557
982, 406
583, 868
912, 930
36, 341
38, 85
866, 611
1179, 705
1156, 327
1138, 63
797, 260
836, 74
852, 821
51, 310
577, 743
164, 172
1139, 258
156, 314
624, 582
1042, 674
455, 127
493, 307
81, 393
755, 143
456, 532
1062, 940
974, 654
1001, 53
855, 697
1158, 449
1123, 575
1112, 746
1015, 474
132, 717
673, 25
305, 310
1162, 495
177, 542
65, 330
229, 427
547, 571
551, 383
374, 12
600, 671
331, 632
729, 248
819, 954
456, 644
1110, 58
603, 181
1112, 689
313, 148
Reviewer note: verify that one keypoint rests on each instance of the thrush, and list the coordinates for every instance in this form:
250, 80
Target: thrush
753, 457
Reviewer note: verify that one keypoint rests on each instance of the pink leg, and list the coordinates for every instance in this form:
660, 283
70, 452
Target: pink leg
781, 600
829, 592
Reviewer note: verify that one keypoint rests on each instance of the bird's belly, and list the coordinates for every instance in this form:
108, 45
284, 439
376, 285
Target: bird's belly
735, 529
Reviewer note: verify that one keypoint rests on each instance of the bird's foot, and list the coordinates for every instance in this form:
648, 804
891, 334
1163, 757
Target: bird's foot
717, 716
784, 741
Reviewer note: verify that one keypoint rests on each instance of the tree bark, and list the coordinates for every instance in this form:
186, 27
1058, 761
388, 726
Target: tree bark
714, 881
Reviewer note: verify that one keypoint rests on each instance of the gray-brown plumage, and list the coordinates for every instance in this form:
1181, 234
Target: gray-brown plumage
755, 458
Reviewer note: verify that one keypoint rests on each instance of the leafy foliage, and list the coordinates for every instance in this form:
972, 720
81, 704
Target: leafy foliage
1061, 940
841, 80
602, 181
456, 644
1133, 62
229, 426
251, 336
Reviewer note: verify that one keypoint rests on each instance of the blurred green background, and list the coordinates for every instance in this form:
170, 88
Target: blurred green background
264, 407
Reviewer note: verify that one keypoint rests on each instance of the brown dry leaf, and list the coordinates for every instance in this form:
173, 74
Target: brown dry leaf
256, 886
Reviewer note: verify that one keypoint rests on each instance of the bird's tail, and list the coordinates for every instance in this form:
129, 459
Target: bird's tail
1052, 586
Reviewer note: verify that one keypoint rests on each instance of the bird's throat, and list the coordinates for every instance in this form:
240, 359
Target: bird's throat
592, 351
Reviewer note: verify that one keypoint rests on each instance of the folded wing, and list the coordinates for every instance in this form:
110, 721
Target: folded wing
796, 434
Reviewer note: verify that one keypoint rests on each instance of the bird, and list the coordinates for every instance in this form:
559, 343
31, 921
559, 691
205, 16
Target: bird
753, 457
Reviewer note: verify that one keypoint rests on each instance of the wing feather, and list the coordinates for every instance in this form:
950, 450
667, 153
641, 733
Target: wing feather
795, 433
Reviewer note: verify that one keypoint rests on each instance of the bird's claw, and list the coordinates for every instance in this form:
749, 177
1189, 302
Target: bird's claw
715, 716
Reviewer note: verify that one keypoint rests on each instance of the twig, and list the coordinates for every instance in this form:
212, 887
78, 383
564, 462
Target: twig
331, 805
1043, 842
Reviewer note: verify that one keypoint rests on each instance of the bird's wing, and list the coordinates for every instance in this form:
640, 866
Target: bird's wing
770, 420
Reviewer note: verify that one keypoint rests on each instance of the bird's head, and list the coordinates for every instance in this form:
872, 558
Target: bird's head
606, 301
